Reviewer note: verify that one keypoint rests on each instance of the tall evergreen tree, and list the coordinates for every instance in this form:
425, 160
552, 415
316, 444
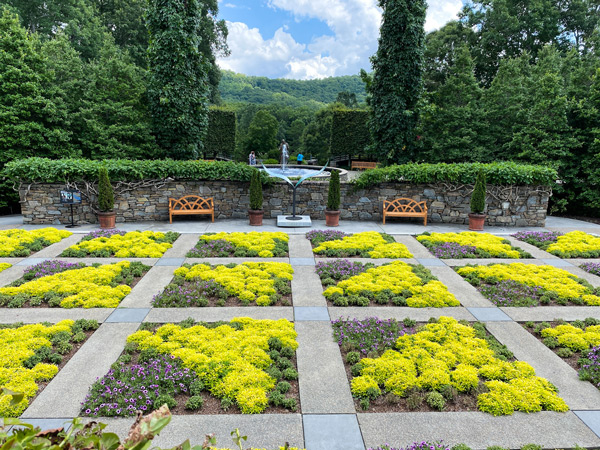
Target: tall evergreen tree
396, 85
262, 136
453, 129
178, 89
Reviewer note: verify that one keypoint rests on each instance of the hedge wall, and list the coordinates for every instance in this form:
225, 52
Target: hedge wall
500, 173
220, 138
349, 132
44, 170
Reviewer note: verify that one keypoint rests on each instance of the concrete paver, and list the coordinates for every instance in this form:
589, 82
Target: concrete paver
332, 432
151, 284
323, 384
182, 245
549, 313
415, 247
215, 313
300, 247
56, 249
466, 294
11, 274
398, 313
489, 314
52, 315
306, 287
308, 313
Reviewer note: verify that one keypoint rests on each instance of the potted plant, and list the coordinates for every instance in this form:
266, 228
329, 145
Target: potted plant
477, 216
106, 200
332, 212
255, 213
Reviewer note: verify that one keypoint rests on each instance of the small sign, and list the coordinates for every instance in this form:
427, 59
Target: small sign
70, 197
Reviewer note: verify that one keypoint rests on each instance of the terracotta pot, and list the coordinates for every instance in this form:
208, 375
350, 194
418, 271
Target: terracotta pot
107, 219
332, 218
476, 221
256, 217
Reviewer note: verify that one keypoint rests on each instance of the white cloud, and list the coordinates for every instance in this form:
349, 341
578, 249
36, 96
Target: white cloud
355, 27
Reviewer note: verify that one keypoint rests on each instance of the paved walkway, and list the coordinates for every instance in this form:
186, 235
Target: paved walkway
329, 420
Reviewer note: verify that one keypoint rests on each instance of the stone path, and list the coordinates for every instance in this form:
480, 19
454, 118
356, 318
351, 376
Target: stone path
329, 420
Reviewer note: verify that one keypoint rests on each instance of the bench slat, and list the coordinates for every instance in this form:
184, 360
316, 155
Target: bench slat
405, 207
191, 204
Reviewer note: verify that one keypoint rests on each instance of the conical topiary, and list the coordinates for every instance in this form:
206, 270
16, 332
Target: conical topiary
333, 197
478, 195
106, 195
256, 193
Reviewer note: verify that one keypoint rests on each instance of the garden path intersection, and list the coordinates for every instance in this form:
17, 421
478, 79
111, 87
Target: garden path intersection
329, 419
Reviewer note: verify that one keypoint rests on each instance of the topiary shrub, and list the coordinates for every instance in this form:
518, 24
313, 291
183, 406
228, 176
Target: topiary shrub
333, 196
478, 195
256, 193
106, 196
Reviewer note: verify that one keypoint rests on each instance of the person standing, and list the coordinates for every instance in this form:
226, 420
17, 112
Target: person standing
299, 158
252, 159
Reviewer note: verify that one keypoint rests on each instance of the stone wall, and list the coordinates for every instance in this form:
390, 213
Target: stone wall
506, 206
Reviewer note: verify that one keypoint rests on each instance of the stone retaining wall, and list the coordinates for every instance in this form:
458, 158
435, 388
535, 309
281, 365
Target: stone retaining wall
506, 206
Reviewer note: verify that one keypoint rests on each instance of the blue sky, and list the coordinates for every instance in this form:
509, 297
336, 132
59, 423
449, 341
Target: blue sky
307, 39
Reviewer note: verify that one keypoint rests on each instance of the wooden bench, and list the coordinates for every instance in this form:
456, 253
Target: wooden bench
362, 165
405, 207
189, 205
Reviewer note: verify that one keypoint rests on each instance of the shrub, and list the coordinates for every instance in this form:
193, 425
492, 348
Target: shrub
333, 196
195, 402
106, 196
478, 195
256, 193
435, 400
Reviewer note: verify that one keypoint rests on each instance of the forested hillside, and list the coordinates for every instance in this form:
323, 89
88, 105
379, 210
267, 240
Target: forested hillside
236, 87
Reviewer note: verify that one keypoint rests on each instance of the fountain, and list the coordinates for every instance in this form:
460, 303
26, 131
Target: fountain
284, 173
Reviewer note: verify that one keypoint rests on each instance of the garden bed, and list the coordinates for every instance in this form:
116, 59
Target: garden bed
121, 244
519, 284
575, 244
240, 245
577, 343
351, 283
56, 283
368, 244
260, 283
442, 365
4, 266
17, 242
243, 366
469, 244
591, 267
33, 354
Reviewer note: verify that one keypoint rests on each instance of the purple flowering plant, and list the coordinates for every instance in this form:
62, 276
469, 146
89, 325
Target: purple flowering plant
213, 248
49, 267
369, 335
340, 269
189, 293
541, 239
423, 445
591, 267
512, 293
317, 237
102, 234
130, 388
453, 250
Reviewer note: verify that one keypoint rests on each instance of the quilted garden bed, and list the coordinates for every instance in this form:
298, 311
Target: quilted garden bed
245, 366
368, 244
519, 284
259, 283
575, 244
135, 244
254, 244
351, 283
17, 242
578, 343
469, 244
32, 355
57, 283
442, 365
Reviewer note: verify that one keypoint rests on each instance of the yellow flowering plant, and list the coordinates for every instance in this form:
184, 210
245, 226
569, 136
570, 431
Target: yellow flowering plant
97, 286
262, 244
368, 244
4, 266
576, 244
520, 284
138, 244
469, 244
246, 361
264, 283
453, 357
17, 242
397, 282
576, 341
30, 354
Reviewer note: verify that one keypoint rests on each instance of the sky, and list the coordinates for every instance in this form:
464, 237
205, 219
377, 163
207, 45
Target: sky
307, 39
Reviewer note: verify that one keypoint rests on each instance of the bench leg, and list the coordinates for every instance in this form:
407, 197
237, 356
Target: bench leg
384, 218
425, 221
170, 218
213, 216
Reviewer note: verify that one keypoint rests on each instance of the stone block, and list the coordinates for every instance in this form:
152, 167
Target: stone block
150, 209
437, 205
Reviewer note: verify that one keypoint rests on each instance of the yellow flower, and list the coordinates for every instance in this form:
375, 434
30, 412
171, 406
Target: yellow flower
370, 241
17, 240
494, 245
4, 266
576, 244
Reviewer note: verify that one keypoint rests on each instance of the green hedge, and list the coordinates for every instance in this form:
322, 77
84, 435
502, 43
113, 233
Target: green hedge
44, 170
349, 132
500, 173
220, 138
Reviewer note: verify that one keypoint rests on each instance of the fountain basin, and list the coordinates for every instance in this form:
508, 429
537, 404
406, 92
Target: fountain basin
297, 171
